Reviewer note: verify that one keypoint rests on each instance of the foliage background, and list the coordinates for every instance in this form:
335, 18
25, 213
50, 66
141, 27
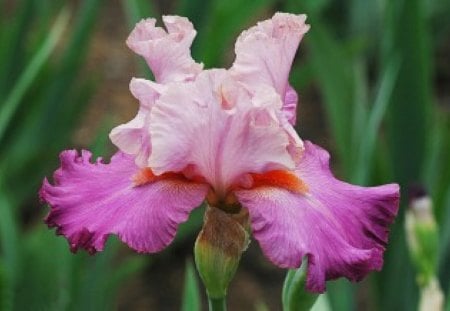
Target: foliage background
373, 78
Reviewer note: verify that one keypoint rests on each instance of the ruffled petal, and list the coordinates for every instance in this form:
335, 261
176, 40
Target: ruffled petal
215, 125
341, 228
133, 137
290, 105
295, 146
89, 201
265, 52
167, 53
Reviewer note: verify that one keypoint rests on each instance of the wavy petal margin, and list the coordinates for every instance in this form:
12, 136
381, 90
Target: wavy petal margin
342, 228
264, 55
167, 52
89, 201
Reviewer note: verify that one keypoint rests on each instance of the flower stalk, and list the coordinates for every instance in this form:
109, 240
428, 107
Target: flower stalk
217, 304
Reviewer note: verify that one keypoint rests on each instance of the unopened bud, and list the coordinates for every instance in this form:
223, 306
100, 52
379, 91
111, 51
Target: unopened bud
431, 297
219, 247
422, 235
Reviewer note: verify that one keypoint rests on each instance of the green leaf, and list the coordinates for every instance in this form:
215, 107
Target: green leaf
333, 70
5, 289
223, 23
10, 259
295, 297
135, 10
196, 10
191, 295
372, 126
407, 38
321, 304
12, 51
408, 121
26, 79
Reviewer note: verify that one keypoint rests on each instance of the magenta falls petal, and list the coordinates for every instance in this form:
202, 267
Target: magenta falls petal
89, 201
341, 228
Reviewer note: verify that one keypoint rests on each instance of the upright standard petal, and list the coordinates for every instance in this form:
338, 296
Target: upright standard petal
216, 127
290, 105
89, 201
133, 137
167, 53
265, 52
342, 228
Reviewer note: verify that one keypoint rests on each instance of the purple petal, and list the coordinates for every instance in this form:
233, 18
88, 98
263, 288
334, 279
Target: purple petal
290, 105
342, 228
89, 201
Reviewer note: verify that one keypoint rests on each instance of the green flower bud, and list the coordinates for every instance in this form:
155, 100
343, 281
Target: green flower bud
422, 237
431, 297
219, 247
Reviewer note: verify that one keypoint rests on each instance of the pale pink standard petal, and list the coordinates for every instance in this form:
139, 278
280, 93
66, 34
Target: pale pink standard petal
265, 52
133, 137
167, 53
342, 228
290, 105
215, 126
89, 201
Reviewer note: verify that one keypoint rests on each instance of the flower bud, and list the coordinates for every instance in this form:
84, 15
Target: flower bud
431, 297
219, 247
422, 235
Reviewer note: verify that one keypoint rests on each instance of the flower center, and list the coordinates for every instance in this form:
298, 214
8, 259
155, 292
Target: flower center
228, 201
279, 179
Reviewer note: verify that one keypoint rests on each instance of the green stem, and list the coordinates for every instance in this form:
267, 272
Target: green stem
217, 304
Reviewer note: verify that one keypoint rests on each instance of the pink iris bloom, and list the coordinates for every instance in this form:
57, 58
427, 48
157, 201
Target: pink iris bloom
227, 137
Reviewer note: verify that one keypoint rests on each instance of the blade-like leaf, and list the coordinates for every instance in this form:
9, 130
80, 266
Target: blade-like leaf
191, 295
406, 36
14, 98
9, 247
295, 297
372, 127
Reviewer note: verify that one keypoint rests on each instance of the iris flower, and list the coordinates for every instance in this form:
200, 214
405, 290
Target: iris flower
225, 136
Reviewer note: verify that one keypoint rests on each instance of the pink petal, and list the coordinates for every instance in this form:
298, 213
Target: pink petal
89, 201
295, 146
133, 137
265, 52
290, 104
215, 125
342, 228
167, 53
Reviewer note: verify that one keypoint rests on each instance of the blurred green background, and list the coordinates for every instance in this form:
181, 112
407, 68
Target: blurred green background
374, 84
